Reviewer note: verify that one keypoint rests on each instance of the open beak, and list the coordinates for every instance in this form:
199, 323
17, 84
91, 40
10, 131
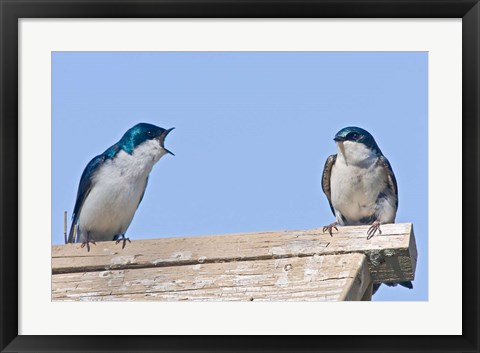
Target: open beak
162, 137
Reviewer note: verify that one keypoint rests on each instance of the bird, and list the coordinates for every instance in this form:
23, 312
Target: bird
113, 184
360, 185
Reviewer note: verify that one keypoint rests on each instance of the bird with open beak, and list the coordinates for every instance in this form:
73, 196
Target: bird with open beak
113, 184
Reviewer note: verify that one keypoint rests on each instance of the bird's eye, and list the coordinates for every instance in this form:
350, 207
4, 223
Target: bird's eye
150, 133
354, 136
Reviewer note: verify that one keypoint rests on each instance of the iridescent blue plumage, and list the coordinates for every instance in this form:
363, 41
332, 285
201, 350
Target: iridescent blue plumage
136, 136
357, 134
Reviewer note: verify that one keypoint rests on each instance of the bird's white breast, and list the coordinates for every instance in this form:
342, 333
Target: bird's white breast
356, 181
117, 188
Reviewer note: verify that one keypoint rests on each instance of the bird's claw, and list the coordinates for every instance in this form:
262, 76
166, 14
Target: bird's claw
87, 243
330, 227
373, 229
124, 241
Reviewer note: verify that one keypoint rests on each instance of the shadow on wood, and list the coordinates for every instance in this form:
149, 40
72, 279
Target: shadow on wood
304, 265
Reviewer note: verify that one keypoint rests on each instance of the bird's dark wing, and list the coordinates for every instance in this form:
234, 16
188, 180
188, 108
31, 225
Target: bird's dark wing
143, 193
391, 181
327, 170
86, 185
83, 190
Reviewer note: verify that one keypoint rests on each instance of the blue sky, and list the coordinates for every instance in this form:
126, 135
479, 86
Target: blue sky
253, 131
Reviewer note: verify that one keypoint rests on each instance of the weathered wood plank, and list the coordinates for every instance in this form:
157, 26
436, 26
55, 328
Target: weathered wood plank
391, 256
361, 281
367, 296
312, 278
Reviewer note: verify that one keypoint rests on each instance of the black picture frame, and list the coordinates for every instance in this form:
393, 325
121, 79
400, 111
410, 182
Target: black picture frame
11, 11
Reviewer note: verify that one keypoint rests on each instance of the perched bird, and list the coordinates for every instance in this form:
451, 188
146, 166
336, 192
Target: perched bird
113, 184
360, 185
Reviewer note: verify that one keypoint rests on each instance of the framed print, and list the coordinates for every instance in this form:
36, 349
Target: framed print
256, 92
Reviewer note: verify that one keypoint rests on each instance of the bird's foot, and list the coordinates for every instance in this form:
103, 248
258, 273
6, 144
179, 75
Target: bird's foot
87, 243
373, 229
122, 238
330, 227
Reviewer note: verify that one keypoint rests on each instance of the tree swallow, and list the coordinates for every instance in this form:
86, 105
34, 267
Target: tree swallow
360, 184
113, 184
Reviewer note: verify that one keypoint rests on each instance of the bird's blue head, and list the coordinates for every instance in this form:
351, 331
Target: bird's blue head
359, 135
140, 133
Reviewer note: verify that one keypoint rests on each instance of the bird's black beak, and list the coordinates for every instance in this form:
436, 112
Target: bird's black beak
162, 139
338, 138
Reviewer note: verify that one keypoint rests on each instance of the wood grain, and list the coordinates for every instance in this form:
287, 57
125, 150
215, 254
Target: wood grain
311, 278
390, 257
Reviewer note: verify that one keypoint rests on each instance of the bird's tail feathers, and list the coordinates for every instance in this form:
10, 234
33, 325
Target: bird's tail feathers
73, 233
406, 284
